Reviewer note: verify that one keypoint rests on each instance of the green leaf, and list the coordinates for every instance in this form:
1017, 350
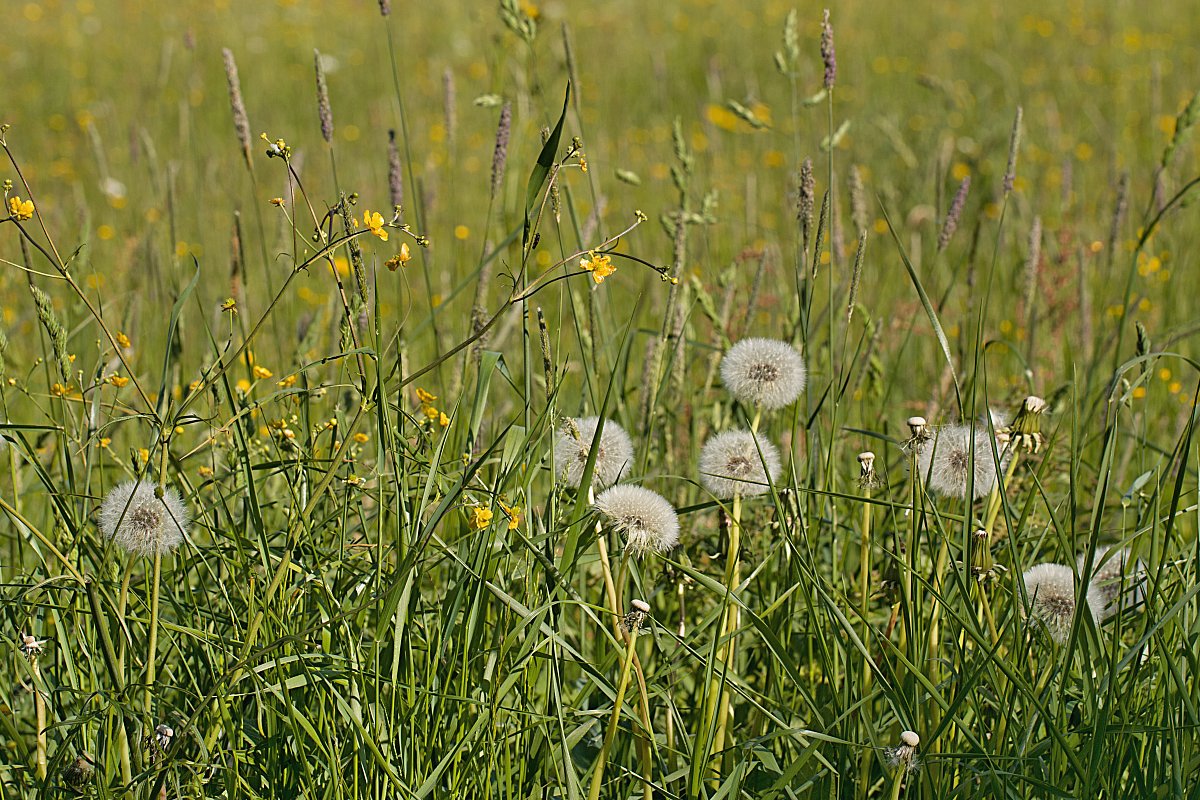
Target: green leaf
541, 170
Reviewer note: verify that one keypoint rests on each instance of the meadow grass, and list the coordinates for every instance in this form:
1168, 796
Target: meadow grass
348, 461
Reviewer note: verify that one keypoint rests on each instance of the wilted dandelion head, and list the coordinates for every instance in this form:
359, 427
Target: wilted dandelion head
142, 523
645, 518
958, 459
1051, 590
764, 373
734, 462
614, 451
904, 755
1115, 580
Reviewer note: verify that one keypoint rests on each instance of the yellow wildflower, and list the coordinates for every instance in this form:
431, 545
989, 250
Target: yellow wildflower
229, 305
143, 454
105, 441
262, 373
430, 412
123, 340
277, 201
21, 209
600, 266
287, 382
443, 420
513, 513
374, 221
205, 472
481, 517
424, 397
60, 390
243, 385
362, 438
118, 380
400, 259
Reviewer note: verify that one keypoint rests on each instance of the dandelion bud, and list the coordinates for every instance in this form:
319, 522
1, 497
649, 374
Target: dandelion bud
645, 518
950, 225
917, 426
614, 451
982, 563
1051, 591
1026, 428
137, 518
827, 53
737, 463
764, 373
324, 110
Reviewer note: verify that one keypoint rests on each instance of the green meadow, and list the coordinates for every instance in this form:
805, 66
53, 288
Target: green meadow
559, 399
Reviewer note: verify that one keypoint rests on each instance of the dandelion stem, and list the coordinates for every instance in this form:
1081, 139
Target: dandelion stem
152, 646
618, 701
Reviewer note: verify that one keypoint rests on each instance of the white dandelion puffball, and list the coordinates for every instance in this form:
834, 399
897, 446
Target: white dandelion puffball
614, 452
645, 518
141, 523
734, 462
958, 458
1117, 581
1051, 590
764, 373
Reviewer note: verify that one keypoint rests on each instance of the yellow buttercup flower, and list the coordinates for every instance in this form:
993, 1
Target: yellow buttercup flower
287, 382
21, 209
374, 221
443, 420
262, 373
481, 517
118, 380
424, 397
122, 339
400, 259
600, 266
513, 513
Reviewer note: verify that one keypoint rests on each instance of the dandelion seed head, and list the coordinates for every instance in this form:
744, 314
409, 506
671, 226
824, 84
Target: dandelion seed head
645, 518
734, 462
1051, 590
614, 452
142, 523
958, 459
1117, 583
764, 373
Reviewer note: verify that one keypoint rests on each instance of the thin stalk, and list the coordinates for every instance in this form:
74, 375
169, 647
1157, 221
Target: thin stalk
611, 733
152, 646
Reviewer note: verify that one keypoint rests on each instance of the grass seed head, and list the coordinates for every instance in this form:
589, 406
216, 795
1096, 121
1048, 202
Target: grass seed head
734, 462
141, 522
